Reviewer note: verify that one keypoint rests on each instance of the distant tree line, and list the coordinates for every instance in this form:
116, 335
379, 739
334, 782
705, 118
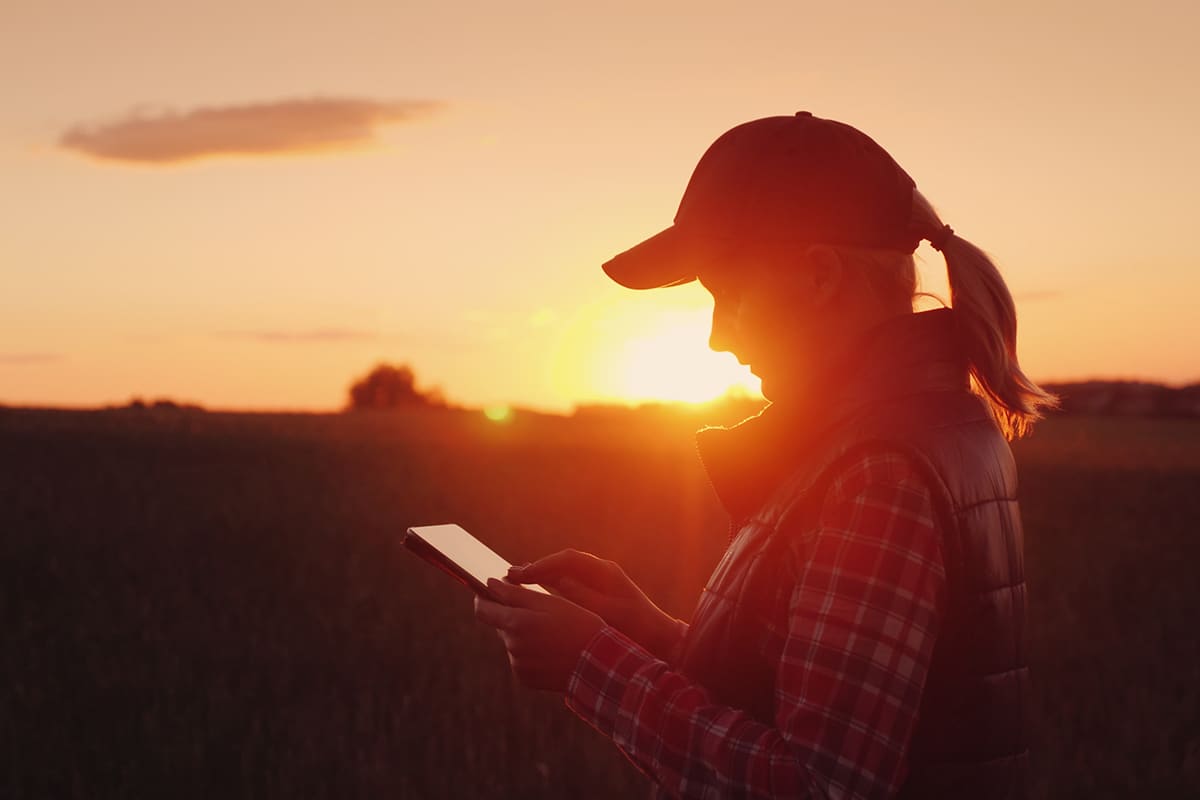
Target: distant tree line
160, 404
1128, 398
395, 386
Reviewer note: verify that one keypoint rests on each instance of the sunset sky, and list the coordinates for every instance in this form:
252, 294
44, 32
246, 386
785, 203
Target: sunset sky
248, 204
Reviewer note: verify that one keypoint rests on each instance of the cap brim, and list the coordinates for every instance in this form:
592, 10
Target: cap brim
665, 259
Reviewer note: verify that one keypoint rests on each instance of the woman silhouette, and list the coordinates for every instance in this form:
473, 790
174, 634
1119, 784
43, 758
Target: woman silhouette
863, 634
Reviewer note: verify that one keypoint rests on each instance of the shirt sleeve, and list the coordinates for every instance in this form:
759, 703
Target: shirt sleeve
862, 618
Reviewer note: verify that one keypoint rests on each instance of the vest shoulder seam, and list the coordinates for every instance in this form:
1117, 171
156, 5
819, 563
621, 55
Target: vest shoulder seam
977, 503
1004, 588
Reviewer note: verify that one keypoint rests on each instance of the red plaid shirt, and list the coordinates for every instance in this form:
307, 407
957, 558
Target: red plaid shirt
866, 600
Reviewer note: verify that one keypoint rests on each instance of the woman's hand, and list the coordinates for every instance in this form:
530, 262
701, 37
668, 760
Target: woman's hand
603, 587
544, 634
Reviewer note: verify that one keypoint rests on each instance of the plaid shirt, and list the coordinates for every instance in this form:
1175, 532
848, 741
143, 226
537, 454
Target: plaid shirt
855, 640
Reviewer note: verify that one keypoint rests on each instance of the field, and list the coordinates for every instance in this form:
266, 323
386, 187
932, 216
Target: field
216, 605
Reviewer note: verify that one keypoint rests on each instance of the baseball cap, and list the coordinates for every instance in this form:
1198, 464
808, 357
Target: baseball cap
796, 179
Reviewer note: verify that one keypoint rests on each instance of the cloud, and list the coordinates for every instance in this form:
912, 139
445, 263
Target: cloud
313, 336
452, 340
270, 128
18, 359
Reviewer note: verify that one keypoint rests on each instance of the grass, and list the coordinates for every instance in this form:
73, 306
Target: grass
199, 605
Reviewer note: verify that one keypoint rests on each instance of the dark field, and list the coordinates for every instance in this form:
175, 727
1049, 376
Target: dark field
210, 605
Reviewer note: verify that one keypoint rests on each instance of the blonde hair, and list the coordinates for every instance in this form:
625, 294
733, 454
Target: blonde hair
985, 316
986, 319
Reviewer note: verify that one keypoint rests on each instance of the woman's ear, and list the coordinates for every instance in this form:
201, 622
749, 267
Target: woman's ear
824, 274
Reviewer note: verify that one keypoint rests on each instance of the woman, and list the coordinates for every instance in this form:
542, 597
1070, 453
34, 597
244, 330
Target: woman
863, 635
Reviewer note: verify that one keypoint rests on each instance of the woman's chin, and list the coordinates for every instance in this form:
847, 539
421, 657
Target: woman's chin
776, 390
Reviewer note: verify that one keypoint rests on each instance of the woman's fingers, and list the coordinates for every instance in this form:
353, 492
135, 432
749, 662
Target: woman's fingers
489, 612
583, 595
511, 594
584, 568
507, 606
498, 615
552, 568
520, 629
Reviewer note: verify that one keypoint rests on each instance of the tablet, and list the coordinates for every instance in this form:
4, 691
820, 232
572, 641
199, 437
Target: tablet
458, 553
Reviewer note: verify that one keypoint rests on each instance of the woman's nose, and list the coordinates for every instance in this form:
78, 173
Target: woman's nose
721, 339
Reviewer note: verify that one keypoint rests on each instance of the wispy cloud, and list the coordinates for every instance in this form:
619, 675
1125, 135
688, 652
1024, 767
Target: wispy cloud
312, 336
454, 340
21, 359
269, 128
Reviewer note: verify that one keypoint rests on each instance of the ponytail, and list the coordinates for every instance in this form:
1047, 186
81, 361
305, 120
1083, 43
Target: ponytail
986, 320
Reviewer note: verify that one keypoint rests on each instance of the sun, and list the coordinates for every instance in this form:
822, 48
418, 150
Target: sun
671, 361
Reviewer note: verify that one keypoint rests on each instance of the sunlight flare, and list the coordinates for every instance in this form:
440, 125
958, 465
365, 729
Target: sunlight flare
498, 413
671, 361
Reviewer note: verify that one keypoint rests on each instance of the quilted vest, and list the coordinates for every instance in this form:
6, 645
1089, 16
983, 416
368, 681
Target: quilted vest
907, 394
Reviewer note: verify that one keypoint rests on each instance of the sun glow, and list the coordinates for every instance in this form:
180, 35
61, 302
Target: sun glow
498, 413
671, 361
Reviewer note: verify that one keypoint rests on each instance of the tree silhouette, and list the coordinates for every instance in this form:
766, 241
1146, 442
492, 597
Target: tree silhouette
390, 386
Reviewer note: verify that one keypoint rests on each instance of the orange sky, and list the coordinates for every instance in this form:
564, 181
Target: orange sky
248, 205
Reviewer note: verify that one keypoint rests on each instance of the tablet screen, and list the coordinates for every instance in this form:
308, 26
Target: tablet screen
468, 553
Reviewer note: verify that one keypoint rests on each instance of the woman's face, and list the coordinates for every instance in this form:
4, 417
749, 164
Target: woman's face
762, 316
791, 316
